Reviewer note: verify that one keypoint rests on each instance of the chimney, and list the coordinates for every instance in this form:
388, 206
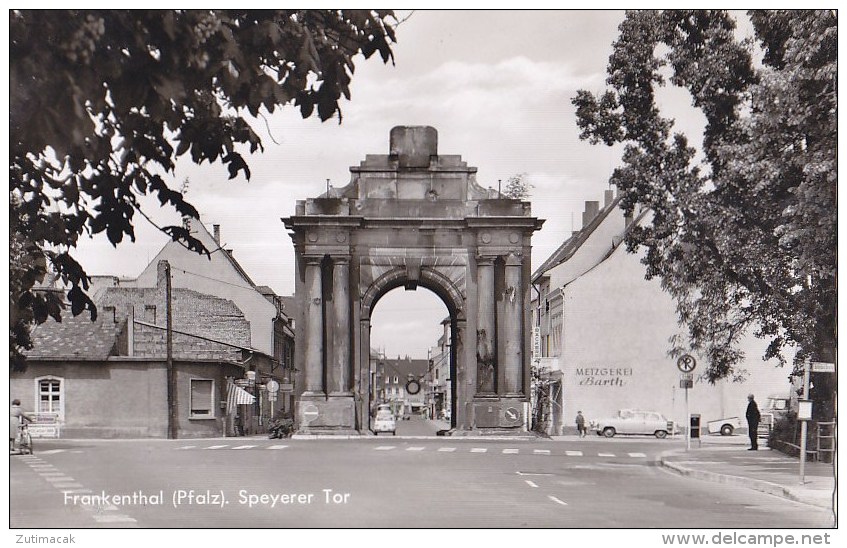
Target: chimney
608, 198
592, 208
217, 233
161, 274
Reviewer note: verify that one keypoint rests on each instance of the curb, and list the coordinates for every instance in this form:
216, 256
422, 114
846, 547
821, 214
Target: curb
739, 481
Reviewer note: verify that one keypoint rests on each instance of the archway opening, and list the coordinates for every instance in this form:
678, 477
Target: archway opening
412, 365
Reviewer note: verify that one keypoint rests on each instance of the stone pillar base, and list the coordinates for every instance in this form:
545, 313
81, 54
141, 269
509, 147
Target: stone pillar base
319, 414
499, 415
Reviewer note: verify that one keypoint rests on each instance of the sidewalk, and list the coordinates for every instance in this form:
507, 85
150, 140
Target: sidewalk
726, 460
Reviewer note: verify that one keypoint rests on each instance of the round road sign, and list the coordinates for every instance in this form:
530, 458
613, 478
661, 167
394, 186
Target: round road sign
272, 386
413, 387
512, 414
686, 363
309, 413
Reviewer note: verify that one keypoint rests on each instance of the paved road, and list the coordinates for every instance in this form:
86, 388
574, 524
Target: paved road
379, 482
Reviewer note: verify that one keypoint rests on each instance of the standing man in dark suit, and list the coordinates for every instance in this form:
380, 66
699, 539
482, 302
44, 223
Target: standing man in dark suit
753, 418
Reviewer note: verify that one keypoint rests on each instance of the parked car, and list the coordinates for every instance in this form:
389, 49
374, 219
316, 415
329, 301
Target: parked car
384, 422
633, 421
725, 426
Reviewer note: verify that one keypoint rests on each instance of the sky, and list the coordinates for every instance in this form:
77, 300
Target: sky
497, 86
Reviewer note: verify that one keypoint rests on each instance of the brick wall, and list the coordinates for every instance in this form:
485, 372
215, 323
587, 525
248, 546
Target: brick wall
195, 313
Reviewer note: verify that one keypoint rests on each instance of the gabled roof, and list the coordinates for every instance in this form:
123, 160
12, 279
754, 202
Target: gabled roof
76, 338
572, 244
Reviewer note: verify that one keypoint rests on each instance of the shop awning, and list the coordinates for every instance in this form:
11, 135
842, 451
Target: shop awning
237, 396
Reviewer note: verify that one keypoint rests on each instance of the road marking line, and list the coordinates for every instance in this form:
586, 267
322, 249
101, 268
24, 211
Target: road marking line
188, 447
573, 453
532, 473
414, 449
277, 447
384, 448
244, 447
531, 484
447, 449
605, 454
217, 446
510, 451
52, 451
112, 518
557, 501
541, 451
637, 455
479, 450
47, 473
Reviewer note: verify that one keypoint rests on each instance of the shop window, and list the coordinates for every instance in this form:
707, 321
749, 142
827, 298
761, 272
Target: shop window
202, 398
50, 395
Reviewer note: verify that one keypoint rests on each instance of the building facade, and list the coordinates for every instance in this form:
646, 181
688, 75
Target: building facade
109, 378
601, 335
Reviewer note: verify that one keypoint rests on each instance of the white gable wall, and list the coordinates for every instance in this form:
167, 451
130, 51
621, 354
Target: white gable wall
218, 277
614, 351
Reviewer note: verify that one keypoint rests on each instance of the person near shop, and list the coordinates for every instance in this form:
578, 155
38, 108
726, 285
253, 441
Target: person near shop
753, 417
580, 424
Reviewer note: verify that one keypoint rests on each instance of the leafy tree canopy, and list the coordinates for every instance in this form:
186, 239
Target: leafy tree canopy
517, 187
743, 229
103, 102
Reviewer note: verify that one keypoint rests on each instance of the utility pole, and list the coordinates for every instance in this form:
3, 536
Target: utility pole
172, 423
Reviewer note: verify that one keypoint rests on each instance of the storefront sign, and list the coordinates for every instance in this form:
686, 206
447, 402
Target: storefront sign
603, 376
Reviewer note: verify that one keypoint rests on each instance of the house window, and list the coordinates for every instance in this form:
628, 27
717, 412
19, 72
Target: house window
50, 392
396, 379
202, 398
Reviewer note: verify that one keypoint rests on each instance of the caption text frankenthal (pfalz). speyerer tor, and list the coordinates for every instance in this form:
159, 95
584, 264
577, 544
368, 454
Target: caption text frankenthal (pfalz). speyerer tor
191, 497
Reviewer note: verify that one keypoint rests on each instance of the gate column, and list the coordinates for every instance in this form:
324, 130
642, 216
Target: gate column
339, 367
485, 349
314, 327
513, 314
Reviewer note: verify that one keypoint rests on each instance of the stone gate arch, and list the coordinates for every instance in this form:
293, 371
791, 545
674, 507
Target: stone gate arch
412, 218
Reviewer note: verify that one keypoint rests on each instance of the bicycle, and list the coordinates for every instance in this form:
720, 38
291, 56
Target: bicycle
24, 440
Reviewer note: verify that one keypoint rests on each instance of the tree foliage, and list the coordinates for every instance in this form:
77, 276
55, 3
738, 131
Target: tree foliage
743, 229
103, 102
517, 187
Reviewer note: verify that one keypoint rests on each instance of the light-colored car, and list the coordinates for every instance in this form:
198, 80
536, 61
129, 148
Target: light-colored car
384, 422
633, 421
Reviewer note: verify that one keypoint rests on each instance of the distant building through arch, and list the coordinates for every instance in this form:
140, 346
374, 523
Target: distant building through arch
413, 218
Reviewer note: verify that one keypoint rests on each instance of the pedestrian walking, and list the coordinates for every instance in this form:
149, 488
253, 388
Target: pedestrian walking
753, 417
580, 424
16, 417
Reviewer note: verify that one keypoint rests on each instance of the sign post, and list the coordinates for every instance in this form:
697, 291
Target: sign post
272, 387
686, 363
804, 413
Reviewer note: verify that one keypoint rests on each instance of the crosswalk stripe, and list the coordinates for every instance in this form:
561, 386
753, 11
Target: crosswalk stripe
637, 455
277, 447
52, 451
414, 449
573, 453
531, 484
510, 451
217, 446
70, 487
446, 449
479, 450
59, 478
244, 447
541, 451
605, 454
384, 448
